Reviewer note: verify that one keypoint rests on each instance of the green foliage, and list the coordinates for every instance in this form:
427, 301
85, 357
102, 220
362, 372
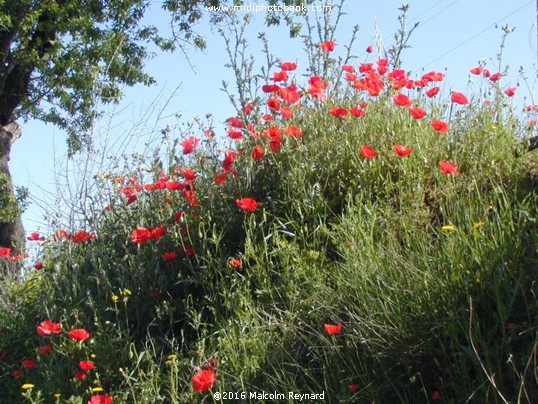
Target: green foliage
9, 207
430, 274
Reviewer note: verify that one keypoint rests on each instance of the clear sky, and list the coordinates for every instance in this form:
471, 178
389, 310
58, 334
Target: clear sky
453, 35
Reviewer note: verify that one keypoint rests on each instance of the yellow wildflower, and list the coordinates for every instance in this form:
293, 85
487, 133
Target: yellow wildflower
97, 389
173, 356
115, 298
478, 225
27, 386
448, 227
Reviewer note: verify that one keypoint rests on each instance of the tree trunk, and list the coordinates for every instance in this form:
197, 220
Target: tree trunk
11, 228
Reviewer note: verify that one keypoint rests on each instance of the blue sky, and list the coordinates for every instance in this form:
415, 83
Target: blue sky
453, 35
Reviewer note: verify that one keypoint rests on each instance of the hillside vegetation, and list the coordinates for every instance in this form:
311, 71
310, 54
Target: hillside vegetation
366, 235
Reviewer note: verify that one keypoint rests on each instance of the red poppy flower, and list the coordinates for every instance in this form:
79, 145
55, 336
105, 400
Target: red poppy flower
5, 252
257, 152
100, 399
432, 92
448, 168
203, 380
234, 134
252, 131
58, 235
268, 117
234, 262
220, 179
35, 237
477, 70
338, 112
486, 73
288, 95
189, 144
235, 122
48, 327
280, 76
366, 68
317, 87
16, 258
82, 236
86, 365
79, 334
38, 265
288, 66
45, 349
170, 256
286, 112
270, 88
273, 104
293, 131
402, 100
247, 204
140, 235
155, 294
352, 77
130, 199
417, 113
28, 363
247, 109
459, 98
191, 197
436, 395
402, 150
16, 373
274, 144
143, 234
510, 91
189, 175
332, 329
495, 77
327, 46
229, 159
370, 49
80, 375
272, 132
353, 387
440, 126
433, 76
368, 152
356, 111
348, 68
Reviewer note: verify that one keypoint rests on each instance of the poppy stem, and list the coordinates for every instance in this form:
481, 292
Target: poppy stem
450, 112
